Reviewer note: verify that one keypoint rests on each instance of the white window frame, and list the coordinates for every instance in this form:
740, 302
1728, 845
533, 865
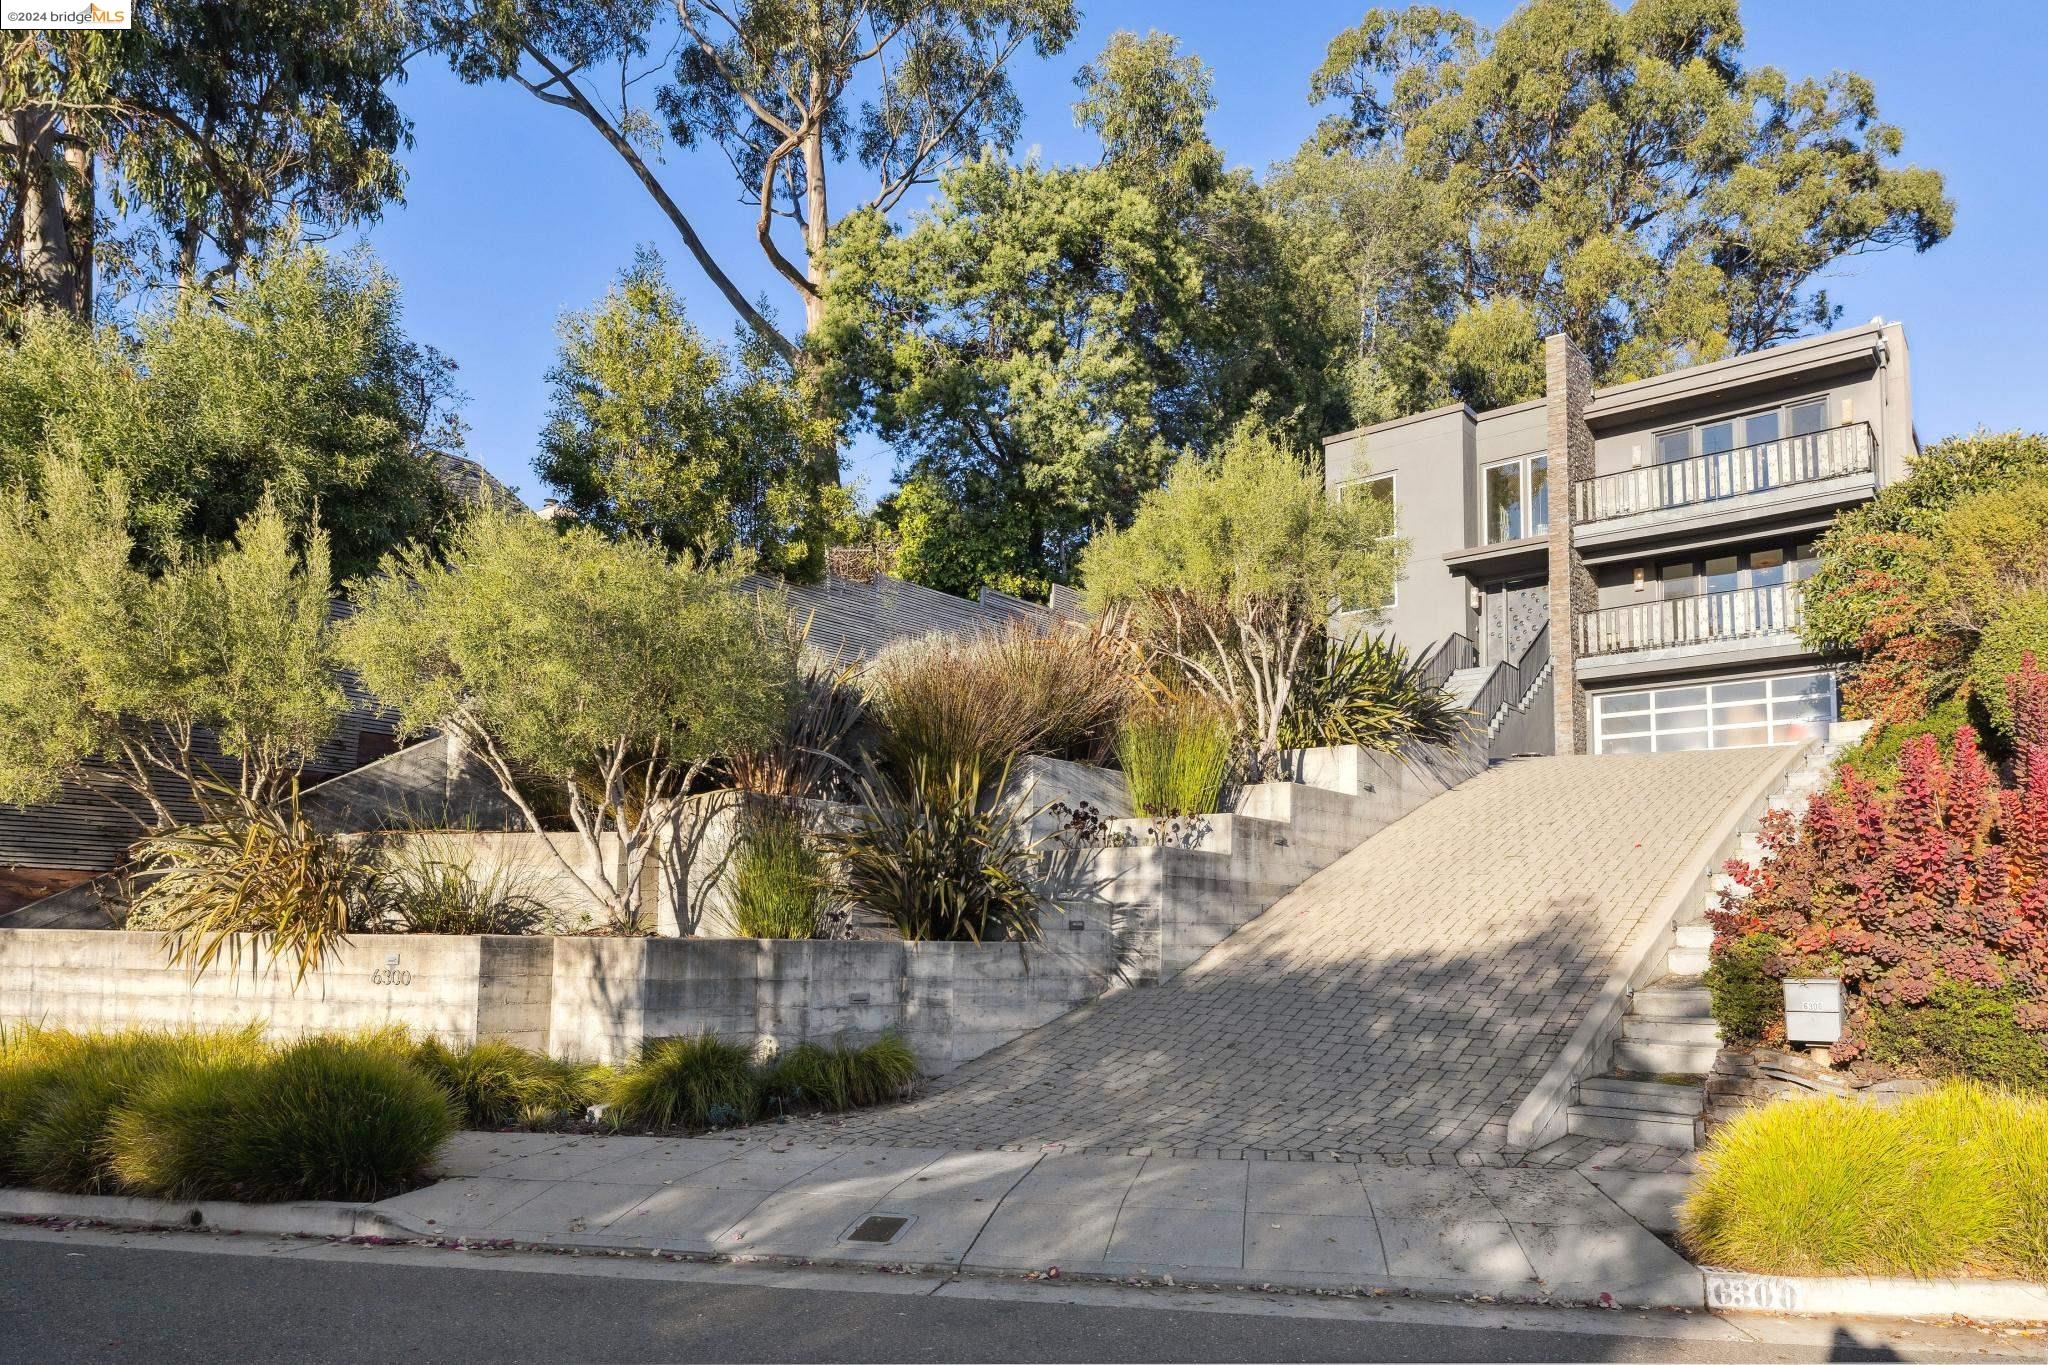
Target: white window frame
1525, 469
1736, 419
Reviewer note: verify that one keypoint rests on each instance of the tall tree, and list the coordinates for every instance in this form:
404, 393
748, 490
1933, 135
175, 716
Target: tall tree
773, 85
209, 125
1615, 174
1041, 343
654, 432
298, 380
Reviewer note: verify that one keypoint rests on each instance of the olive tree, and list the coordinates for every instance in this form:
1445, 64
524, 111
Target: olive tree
594, 676
116, 679
1235, 565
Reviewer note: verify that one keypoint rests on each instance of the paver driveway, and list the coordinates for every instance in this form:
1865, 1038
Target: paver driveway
1403, 1000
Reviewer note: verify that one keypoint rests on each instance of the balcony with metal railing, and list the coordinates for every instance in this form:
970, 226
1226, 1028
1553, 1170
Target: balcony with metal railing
1789, 465
1746, 614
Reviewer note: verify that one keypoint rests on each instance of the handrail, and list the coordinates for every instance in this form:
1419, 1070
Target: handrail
1454, 653
1775, 608
1508, 682
1790, 460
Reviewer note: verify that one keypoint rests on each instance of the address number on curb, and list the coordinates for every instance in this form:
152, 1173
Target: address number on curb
1762, 1293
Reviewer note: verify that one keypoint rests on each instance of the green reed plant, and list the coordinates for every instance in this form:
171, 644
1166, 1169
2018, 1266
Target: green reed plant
779, 879
1175, 753
836, 1077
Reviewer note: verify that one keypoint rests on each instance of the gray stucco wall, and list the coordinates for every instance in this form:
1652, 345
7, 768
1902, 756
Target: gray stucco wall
1430, 457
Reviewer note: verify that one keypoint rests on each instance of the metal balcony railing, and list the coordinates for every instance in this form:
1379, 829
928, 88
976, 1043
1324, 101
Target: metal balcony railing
1706, 619
1784, 463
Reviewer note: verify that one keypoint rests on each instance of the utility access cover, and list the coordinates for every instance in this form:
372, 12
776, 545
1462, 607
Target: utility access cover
876, 1228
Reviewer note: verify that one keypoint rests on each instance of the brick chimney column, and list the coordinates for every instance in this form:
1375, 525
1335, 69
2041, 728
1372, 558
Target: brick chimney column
1568, 389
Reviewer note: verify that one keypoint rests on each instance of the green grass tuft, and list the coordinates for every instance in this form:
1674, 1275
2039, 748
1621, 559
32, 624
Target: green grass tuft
779, 881
1954, 1182
700, 1081
835, 1078
498, 1085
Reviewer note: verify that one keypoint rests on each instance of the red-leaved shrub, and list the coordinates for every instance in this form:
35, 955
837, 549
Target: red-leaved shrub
1947, 876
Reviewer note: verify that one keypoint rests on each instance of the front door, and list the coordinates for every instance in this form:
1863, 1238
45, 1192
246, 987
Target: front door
1514, 613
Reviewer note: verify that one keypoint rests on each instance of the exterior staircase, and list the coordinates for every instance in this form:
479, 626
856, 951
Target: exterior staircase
1656, 1092
1464, 684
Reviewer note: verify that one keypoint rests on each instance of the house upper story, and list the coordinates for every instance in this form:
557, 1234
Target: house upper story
1683, 509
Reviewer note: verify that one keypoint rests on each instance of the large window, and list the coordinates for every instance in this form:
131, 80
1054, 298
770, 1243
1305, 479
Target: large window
1803, 418
1517, 498
1743, 714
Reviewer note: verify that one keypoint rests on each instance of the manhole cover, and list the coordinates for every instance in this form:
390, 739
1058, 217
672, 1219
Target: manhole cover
876, 1229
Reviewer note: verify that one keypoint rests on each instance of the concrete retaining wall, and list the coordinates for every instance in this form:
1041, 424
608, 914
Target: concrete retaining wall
593, 999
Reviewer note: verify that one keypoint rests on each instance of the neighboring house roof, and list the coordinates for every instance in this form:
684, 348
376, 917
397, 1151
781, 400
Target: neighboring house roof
853, 620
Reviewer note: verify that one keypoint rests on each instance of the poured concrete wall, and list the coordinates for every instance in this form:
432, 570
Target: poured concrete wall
593, 999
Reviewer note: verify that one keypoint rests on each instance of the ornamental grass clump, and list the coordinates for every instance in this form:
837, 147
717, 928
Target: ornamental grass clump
498, 1085
984, 702
1950, 1183
779, 880
426, 892
331, 1118
699, 1081
836, 1077
1175, 754
1367, 692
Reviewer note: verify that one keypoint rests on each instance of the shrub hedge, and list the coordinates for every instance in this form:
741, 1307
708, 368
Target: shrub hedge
360, 1117
1954, 1182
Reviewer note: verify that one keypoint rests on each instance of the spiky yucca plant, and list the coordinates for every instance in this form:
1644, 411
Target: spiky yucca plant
940, 854
1365, 692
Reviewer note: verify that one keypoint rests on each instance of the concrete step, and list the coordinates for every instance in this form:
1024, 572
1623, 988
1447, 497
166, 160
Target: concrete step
1664, 1059
1646, 1097
1685, 961
1693, 936
1642, 1029
1843, 733
1672, 1002
1629, 1125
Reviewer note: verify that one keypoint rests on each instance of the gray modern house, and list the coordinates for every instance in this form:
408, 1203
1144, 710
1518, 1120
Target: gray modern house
1632, 556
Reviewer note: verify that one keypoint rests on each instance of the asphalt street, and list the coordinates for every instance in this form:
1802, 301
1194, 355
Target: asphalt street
101, 1295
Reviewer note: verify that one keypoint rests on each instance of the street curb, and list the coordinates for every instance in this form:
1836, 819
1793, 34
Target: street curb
1733, 1291
1540, 1117
1724, 1291
305, 1219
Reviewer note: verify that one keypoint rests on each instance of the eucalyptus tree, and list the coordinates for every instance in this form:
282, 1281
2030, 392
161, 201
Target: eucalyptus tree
1618, 174
787, 91
175, 149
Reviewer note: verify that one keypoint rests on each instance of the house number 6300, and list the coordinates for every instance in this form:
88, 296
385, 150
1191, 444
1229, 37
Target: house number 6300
390, 976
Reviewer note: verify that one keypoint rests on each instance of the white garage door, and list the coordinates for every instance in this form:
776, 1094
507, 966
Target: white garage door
1724, 715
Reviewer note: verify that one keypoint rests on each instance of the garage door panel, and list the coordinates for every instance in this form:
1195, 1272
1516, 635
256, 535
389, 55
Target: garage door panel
1742, 713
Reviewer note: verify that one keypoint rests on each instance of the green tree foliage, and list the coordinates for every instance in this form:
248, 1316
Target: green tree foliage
655, 432
201, 130
1041, 343
299, 381
1613, 173
107, 674
1913, 579
599, 671
1233, 567
786, 90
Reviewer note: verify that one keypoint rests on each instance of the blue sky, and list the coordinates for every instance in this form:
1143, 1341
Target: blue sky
516, 212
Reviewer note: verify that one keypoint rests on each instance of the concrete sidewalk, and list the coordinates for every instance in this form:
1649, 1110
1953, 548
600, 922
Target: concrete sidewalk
1496, 1232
